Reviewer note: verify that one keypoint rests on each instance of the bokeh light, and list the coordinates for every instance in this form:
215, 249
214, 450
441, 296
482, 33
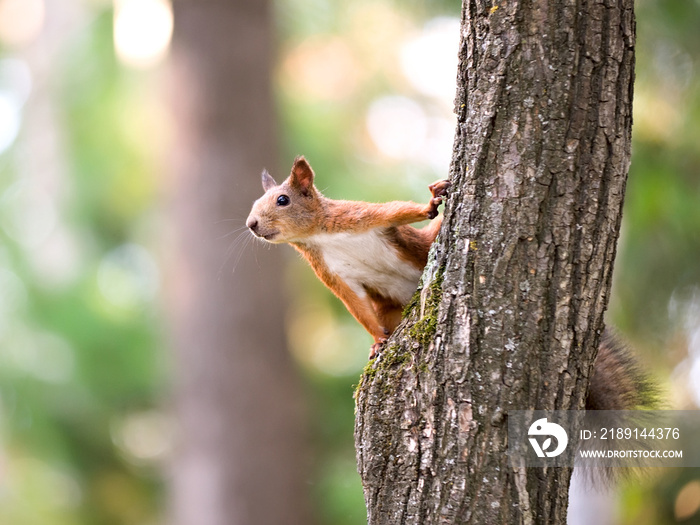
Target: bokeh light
429, 59
15, 86
417, 126
142, 31
684, 309
398, 127
687, 502
402, 129
144, 437
21, 21
9, 121
323, 68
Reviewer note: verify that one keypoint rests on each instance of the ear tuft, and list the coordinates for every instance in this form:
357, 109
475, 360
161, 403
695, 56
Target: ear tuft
267, 181
302, 176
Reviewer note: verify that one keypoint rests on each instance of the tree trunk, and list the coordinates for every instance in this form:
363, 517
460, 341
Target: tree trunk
241, 452
511, 309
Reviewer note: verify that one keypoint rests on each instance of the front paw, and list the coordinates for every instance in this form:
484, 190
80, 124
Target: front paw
439, 188
432, 210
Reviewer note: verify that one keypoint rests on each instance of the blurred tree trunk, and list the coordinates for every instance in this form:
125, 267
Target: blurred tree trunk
512, 307
241, 456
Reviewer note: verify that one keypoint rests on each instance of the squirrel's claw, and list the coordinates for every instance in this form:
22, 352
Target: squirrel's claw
376, 348
439, 188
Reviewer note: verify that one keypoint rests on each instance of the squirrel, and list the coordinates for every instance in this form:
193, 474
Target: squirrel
371, 258
367, 254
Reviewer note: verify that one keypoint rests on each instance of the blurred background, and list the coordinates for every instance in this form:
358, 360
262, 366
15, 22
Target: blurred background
159, 366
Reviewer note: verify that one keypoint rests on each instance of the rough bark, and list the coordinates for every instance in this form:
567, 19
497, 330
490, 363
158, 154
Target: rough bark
241, 449
511, 309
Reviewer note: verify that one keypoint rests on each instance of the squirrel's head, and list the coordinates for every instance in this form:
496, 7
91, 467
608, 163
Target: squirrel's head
287, 212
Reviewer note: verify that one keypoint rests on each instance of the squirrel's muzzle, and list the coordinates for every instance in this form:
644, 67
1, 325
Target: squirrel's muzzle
252, 224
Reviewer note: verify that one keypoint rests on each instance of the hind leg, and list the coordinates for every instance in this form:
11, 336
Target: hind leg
388, 313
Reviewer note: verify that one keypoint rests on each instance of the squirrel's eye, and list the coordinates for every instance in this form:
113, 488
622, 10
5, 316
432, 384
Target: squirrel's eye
282, 200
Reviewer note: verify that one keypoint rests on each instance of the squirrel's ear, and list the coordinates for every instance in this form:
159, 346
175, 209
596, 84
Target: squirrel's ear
302, 175
267, 181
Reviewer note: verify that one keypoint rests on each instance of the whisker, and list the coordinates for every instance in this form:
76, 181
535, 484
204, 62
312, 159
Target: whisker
255, 252
240, 253
237, 245
237, 219
231, 233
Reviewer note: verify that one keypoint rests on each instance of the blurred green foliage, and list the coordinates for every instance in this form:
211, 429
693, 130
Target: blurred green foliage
83, 373
81, 362
660, 249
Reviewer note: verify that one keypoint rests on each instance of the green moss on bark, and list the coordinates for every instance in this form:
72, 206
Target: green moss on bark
390, 361
423, 307
423, 330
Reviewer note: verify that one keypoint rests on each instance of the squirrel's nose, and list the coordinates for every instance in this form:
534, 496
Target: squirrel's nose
252, 223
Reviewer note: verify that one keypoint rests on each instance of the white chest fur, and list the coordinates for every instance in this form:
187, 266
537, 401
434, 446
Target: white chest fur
368, 259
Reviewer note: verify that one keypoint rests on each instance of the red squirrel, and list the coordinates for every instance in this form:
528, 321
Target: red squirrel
372, 259
367, 254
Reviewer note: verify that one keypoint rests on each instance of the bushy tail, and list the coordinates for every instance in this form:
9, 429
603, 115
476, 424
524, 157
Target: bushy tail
618, 381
